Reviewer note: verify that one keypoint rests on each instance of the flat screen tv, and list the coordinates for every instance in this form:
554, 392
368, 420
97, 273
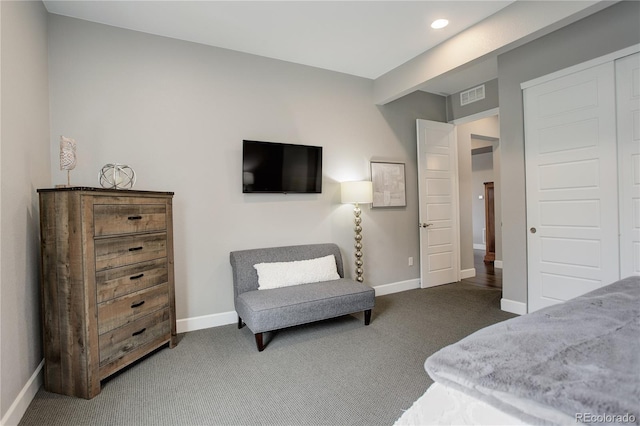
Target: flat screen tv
271, 167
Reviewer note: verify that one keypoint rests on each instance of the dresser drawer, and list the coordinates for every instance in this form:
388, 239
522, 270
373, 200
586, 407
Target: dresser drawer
127, 309
116, 282
119, 251
126, 340
114, 219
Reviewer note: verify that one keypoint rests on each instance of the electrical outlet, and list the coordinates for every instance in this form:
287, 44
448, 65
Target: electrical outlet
410, 261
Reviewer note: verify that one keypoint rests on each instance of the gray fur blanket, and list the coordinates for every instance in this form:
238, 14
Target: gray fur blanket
575, 362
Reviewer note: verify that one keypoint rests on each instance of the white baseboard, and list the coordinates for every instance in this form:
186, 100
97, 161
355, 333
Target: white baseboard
384, 289
231, 317
512, 306
497, 264
226, 318
479, 247
206, 321
24, 398
467, 273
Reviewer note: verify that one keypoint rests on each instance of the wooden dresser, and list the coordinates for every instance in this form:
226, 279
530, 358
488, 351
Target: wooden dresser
107, 283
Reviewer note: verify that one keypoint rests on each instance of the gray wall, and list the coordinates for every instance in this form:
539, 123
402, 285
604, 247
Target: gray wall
24, 167
455, 110
611, 29
177, 113
395, 230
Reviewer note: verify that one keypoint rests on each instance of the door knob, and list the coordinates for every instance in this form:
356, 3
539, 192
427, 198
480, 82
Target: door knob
533, 230
424, 225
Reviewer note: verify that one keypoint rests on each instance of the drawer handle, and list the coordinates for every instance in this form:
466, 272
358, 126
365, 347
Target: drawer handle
135, 248
136, 305
137, 333
135, 277
134, 217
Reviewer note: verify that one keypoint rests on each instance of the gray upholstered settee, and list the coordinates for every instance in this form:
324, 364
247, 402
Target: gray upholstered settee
277, 308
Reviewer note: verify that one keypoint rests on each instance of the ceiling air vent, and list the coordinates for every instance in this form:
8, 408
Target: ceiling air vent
472, 95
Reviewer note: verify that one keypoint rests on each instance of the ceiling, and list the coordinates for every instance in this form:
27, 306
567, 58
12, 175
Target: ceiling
361, 38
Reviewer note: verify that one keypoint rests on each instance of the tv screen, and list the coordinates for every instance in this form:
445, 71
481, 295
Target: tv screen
271, 167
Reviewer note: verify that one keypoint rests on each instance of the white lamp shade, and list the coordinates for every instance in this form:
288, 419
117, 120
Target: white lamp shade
357, 192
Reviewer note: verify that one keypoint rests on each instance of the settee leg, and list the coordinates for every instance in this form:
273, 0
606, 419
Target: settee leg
367, 317
240, 323
259, 342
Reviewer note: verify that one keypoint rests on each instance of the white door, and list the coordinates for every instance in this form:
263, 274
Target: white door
628, 100
438, 200
571, 174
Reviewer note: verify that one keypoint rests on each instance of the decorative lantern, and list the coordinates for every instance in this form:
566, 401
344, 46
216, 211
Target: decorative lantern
117, 176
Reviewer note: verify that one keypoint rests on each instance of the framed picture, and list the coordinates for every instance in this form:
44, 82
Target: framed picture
388, 184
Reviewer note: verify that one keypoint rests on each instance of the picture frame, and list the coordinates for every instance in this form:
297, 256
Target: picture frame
389, 187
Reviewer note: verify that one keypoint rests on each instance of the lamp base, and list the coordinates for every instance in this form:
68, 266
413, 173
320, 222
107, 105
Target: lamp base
358, 244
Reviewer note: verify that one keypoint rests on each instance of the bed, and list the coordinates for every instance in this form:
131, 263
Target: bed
571, 363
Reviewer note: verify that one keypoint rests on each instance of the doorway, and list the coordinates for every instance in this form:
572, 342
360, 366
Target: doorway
483, 196
484, 127
487, 275
478, 139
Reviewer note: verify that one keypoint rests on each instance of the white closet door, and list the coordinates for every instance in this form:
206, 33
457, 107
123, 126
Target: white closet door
628, 100
571, 173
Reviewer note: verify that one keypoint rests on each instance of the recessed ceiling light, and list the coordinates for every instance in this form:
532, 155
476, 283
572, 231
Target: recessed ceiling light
439, 23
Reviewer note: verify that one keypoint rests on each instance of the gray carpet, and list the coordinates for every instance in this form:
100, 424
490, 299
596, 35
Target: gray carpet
336, 372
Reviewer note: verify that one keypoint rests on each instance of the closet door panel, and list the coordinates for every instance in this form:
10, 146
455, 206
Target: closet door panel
571, 173
628, 107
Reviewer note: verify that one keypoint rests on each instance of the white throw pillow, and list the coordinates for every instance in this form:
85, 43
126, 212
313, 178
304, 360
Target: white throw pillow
284, 274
